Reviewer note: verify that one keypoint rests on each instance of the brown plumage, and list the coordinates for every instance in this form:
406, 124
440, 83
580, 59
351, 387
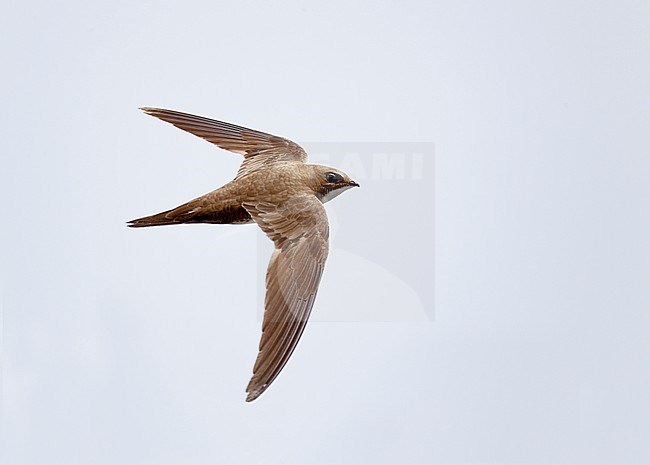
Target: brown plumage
276, 189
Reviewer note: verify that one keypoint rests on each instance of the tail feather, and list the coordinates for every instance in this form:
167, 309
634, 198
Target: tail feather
195, 212
161, 219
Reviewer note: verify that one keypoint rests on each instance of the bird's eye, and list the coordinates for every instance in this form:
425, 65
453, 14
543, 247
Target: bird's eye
333, 177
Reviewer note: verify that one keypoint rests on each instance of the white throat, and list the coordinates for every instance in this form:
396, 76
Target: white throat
335, 193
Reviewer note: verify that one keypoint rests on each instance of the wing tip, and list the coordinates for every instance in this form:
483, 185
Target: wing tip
251, 396
150, 110
253, 392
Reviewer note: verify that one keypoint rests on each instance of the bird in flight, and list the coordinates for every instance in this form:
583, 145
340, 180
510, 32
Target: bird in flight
284, 195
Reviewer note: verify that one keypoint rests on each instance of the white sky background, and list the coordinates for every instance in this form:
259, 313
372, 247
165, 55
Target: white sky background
128, 346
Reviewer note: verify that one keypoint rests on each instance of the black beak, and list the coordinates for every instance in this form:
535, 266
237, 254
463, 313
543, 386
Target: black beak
354, 184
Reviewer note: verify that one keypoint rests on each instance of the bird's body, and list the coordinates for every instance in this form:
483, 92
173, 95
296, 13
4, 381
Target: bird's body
276, 189
225, 204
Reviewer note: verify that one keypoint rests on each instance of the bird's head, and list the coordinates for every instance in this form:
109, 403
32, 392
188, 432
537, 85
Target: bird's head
330, 182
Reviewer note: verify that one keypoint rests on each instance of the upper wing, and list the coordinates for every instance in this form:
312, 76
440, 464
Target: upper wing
300, 231
258, 148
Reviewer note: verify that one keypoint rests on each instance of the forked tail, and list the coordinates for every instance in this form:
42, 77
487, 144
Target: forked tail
159, 219
196, 212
